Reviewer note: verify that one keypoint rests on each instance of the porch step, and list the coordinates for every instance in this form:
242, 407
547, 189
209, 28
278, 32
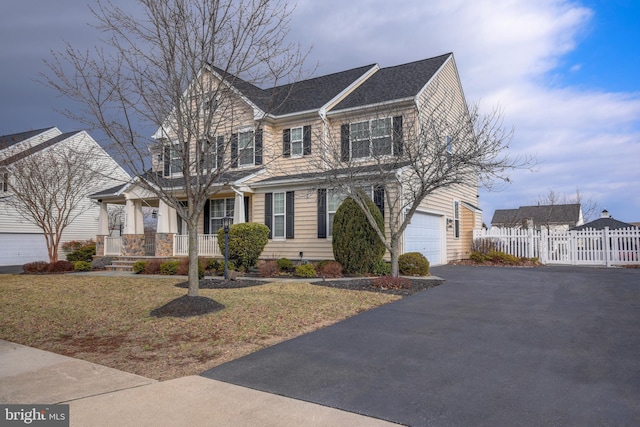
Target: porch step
121, 265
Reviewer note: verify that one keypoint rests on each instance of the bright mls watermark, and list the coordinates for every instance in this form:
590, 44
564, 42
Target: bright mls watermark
35, 415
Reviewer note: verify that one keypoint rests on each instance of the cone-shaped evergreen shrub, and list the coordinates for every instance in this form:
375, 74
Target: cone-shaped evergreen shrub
355, 243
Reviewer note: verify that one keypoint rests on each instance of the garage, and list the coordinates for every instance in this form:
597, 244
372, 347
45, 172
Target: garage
424, 235
21, 248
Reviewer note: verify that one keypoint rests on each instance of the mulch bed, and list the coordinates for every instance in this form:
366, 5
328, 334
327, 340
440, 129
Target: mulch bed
365, 284
187, 306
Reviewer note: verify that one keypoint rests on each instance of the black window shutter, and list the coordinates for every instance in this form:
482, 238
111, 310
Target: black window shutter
344, 142
398, 145
286, 142
258, 141
167, 160
378, 198
306, 140
234, 150
290, 216
268, 212
220, 151
246, 209
322, 213
207, 217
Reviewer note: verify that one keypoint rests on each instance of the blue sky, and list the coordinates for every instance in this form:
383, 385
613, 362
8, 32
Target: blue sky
565, 73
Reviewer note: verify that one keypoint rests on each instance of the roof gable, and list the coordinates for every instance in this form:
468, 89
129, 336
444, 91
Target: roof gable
601, 223
9, 140
36, 148
394, 83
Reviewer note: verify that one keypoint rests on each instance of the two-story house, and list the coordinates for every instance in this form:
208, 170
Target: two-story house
282, 156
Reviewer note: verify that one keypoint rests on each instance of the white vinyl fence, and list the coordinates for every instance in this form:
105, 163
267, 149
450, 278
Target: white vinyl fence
585, 247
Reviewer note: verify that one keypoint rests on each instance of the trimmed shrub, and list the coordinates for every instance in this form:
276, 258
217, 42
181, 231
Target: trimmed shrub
356, 246
502, 258
139, 266
246, 242
382, 268
306, 270
169, 268
329, 269
36, 267
82, 266
152, 267
413, 264
86, 252
74, 245
285, 264
214, 265
60, 267
268, 269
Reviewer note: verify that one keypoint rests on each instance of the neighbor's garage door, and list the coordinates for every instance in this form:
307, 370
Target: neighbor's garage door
424, 235
18, 249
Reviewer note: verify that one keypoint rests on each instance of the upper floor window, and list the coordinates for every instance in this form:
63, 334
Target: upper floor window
296, 142
372, 138
172, 160
246, 148
4, 181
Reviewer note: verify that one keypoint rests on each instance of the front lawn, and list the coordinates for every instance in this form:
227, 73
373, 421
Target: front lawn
106, 320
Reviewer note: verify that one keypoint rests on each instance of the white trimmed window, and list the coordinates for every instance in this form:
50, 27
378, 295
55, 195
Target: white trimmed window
456, 219
220, 208
4, 181
296, 142
279, 215
371, 138
246, 148
172, 160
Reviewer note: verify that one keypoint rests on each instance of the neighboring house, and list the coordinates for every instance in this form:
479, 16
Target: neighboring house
273, 180
22, 241
605, 221
549, 217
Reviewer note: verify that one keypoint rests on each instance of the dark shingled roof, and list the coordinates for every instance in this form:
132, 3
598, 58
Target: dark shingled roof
296, 97
9, 140
36, 148
393, 83
108, 191
601, 223
387, 84
544, 214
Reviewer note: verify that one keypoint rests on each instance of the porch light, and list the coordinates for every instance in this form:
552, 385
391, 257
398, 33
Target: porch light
226, 223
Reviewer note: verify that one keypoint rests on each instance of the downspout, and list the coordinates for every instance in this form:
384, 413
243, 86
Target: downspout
323, 116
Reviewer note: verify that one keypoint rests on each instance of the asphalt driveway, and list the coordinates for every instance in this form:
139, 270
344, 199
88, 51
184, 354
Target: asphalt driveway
550, 346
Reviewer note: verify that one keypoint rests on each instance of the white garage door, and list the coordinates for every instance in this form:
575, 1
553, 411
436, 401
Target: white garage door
423, 235
18, 249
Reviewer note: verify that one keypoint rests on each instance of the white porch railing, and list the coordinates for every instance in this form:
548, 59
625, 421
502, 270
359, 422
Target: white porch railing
207, 245
113, 245
584, 247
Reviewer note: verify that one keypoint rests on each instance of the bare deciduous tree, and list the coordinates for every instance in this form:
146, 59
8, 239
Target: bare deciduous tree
442, 146
50, 188
173, 67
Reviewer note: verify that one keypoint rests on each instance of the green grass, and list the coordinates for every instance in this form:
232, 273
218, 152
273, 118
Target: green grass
106, 320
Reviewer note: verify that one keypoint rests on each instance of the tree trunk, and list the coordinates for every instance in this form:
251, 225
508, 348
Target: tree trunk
194, 280
395, 253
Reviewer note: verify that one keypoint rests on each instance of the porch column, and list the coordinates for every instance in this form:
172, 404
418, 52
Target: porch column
103, 228
167, 227
133, 237
238, 207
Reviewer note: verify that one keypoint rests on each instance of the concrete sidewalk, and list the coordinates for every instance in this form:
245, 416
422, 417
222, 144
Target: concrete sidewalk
101, 396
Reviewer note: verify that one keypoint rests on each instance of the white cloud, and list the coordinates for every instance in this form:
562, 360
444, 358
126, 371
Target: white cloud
506, 52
